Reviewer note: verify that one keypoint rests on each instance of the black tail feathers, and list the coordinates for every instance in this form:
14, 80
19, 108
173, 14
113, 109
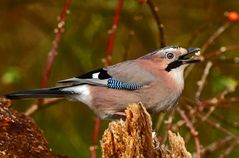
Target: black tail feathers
38, 93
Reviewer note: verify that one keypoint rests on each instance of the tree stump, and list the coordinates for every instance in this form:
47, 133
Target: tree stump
19, 135
134, 138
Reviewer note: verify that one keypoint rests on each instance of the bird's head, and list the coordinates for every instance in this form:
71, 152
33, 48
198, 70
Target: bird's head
175, 57
173, 60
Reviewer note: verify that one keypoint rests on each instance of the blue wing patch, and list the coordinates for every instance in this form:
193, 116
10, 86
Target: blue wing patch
113, 83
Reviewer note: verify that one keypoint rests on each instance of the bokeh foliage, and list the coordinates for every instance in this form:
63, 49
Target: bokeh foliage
27, 31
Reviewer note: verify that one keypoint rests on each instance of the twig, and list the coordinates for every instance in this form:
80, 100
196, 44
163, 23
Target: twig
210, 111
112, 32
160, 121
202, 82
45, 102
95, 137
219, 102
221, 50
215, 35
196, 33
217, 145
234, 60
228, 100
226, 121
218, 127
210, 40
160, 26
228, 150
169, 124
52, 53
109, 51
192, 130
220, 99
215, 125
228, 106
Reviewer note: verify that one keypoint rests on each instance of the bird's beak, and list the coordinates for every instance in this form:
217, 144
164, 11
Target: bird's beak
192, 56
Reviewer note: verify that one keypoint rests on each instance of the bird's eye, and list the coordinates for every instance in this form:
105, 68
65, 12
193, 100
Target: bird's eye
170, 55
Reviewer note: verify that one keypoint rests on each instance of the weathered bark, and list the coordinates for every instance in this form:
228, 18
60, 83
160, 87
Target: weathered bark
134, 138
19, 135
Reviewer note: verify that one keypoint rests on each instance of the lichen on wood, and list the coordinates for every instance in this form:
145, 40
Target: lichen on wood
134, 138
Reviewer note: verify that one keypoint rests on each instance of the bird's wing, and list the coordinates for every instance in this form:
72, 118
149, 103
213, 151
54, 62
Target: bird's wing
96, 77
131, 72
125, 75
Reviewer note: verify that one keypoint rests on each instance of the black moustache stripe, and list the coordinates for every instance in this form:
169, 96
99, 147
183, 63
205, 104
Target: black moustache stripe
173, 65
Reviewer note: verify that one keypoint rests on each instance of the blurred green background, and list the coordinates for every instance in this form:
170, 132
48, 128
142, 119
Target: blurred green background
27, 32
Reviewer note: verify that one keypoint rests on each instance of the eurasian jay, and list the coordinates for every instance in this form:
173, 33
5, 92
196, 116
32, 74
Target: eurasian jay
156, 80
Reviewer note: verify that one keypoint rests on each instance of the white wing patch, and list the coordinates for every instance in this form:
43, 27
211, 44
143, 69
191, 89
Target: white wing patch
95, 75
